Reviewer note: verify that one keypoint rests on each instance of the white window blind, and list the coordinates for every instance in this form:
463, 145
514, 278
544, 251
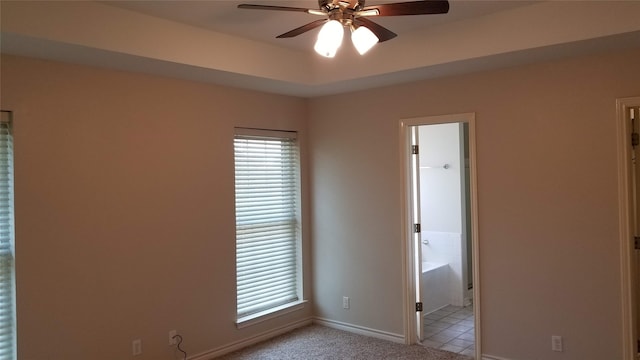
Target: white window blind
7, 350
267, 229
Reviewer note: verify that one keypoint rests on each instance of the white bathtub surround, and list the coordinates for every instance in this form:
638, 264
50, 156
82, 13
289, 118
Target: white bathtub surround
446, 248
432, 266
435, 281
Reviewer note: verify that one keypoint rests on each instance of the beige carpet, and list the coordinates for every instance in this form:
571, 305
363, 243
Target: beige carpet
320, 342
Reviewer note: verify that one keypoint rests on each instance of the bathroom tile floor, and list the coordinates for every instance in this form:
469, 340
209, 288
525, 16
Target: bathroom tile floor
452, 329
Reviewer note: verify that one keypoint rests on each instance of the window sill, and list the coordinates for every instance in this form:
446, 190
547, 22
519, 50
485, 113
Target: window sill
269, 314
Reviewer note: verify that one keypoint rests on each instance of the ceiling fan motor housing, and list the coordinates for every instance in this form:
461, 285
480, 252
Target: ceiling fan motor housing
340, 10
355, 5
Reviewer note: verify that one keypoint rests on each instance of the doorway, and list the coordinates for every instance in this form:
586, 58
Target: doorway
440, 229
628, 116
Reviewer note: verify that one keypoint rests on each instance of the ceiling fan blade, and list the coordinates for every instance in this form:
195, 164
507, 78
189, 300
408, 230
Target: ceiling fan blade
411, 8
270, 7
380, 31
303, 29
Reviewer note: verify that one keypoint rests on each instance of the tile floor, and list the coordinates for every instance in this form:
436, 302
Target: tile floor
451, 329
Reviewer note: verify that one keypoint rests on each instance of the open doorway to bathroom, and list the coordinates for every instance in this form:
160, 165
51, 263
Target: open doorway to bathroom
440, 171
446, 277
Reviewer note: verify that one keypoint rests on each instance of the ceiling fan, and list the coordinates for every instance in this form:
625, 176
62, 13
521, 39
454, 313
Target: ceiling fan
353, 14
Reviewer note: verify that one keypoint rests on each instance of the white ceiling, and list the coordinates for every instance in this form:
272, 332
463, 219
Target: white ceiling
261, 25
214, 41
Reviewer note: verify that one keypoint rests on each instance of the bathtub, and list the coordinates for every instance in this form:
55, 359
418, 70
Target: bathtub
431, 266
435, 286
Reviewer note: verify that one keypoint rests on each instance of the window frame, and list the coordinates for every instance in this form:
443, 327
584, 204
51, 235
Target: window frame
7, 166
243, 320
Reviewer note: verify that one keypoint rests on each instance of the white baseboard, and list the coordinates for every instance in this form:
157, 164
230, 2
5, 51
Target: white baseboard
436, 309
491, 357
360, 330
210, 354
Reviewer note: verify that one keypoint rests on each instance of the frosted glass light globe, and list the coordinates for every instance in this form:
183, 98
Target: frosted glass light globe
363, 39
329, 39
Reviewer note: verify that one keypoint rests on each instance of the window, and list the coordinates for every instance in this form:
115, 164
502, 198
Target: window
7, 328
267, 222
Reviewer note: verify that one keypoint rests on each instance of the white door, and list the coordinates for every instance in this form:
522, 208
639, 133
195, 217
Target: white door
417, 238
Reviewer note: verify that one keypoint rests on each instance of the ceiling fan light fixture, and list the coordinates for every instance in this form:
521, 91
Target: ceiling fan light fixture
363, 39
329, 39
351, 13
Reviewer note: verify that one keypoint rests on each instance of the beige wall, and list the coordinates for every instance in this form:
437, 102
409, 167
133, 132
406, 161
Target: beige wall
124, 198
547, 194
124, 209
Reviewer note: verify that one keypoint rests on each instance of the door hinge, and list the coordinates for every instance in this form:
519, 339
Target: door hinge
636, 242
417, 228
419, 306
635, 139
415, 149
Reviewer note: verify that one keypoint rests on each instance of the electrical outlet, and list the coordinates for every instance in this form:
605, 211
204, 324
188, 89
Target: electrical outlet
137, 347
556, 343
172, 339
346, 303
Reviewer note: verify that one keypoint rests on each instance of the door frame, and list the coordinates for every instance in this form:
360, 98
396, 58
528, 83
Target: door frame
408, 248
628, 264
416, 238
